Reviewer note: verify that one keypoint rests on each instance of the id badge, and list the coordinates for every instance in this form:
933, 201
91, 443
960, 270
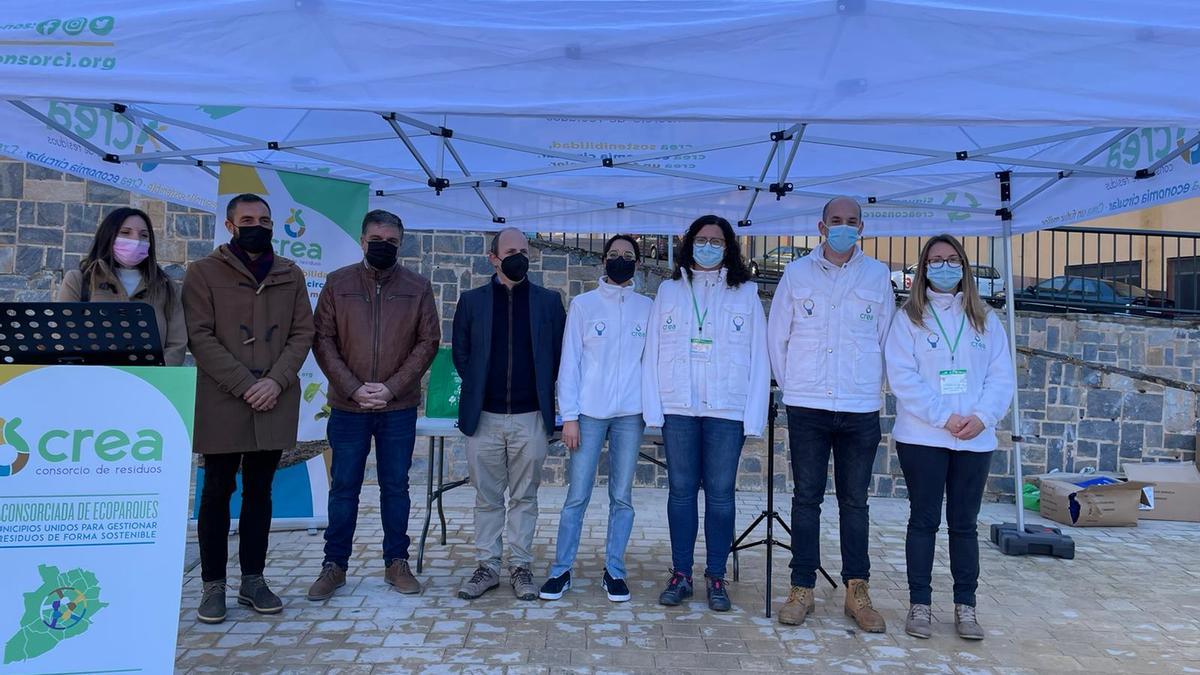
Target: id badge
953, 381
701, 348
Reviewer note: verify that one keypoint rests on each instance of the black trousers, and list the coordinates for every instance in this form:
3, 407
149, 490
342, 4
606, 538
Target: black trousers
254, 524
960, 477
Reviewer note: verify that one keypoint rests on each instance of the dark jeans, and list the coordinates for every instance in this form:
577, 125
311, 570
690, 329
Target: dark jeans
701, 451
854, 439
350, 435
961, 477
254, 523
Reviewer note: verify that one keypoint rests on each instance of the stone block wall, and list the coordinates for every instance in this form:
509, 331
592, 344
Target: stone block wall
1094, 391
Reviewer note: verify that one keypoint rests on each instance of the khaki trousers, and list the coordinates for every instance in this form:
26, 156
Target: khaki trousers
506, 453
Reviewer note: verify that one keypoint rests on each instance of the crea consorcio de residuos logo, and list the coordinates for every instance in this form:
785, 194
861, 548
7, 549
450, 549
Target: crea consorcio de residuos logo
290, 245
75, 451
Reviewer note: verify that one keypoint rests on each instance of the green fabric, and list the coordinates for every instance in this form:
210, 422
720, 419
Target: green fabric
445, 386
1032, 497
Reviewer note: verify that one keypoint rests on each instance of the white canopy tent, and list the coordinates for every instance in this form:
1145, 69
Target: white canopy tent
981, 117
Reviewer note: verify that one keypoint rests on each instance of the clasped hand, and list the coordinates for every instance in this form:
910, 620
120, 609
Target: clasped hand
372, 396
964, 428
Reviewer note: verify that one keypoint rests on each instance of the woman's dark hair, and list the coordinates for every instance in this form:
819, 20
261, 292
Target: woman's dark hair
736, 273
637, 251
157, 282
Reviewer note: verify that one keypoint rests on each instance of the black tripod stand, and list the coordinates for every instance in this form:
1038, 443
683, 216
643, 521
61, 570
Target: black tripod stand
770, 515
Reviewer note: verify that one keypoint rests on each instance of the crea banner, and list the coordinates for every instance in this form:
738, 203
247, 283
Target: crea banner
318, 223
93, 514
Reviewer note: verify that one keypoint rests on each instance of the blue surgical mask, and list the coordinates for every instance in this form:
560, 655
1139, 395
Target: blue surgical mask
944, 278
842, 238
708, 255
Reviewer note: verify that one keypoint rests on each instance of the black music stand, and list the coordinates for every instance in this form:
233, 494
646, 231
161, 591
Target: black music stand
79, 333
770, 515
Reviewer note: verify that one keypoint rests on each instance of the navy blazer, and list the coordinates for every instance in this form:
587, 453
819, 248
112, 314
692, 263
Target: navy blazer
472, 341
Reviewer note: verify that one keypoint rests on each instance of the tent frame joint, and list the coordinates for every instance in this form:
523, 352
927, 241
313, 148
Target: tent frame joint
111, 158
781, 135
962, 155
444, 132
438, 184
744, 223
1144, 173
607, 162
499, 220
779, 189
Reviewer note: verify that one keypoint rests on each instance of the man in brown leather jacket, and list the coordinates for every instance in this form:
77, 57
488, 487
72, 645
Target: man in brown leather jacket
377, 333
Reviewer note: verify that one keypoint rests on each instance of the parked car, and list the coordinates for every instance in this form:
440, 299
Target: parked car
987, 279
772, 262
1083, 294
656, 246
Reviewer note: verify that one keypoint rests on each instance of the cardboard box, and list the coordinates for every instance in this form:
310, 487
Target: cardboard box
1176, 491
1114, 505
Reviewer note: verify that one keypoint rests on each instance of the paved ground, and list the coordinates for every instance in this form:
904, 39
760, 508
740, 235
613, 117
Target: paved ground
1129, 603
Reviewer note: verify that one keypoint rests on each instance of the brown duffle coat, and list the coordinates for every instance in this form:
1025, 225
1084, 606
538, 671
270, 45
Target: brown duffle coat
240, 331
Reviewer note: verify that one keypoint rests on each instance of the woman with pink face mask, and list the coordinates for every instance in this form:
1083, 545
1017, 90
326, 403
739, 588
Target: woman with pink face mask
121, 267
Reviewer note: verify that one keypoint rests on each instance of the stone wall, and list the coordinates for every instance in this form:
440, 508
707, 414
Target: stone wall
1095, 391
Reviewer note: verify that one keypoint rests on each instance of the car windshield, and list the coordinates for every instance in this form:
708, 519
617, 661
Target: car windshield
983, 272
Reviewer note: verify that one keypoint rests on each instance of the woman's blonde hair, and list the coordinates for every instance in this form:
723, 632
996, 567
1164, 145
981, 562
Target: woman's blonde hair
976, 310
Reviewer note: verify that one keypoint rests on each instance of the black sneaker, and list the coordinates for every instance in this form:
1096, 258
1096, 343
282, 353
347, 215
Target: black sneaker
554, 587
255, 594
679, 588
617, 589
718, 594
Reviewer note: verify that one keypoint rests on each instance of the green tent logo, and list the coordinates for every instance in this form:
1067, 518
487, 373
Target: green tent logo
10, 438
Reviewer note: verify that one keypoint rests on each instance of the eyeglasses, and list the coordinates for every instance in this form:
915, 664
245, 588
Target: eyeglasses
701, 241
628, 255
954, 262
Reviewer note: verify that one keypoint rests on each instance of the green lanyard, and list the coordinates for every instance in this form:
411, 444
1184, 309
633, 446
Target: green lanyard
952, 347
699, 317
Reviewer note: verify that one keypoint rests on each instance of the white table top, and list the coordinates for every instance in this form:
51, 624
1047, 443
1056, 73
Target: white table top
438, 427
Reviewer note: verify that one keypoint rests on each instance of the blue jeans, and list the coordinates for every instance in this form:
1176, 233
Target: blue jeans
854, 439
701, 451
624, 435
350, 436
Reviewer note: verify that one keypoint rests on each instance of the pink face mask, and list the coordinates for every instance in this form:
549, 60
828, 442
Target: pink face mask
130, 252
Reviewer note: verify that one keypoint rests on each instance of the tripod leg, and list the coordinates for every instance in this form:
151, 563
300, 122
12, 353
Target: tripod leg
428, 510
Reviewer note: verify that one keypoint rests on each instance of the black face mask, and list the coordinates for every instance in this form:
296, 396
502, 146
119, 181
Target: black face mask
619, 270
515, 267
253, 239
381, 254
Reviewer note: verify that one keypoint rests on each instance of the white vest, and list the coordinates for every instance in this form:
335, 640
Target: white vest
826, 332
916, 357
733, 382
600, 374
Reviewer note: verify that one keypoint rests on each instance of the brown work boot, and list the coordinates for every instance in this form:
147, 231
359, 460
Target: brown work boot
799, 605
401, 578
858, 607
332, 578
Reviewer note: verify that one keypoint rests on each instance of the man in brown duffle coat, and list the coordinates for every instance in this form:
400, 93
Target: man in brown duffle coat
250, 327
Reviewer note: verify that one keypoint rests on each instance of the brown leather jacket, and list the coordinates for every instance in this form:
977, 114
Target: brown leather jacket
376, 327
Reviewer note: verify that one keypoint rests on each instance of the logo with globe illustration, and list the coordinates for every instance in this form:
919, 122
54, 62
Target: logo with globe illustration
14, 451
64, 607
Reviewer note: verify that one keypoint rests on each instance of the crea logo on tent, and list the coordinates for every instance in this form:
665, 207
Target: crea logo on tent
106, 128
74, 451
1150, 144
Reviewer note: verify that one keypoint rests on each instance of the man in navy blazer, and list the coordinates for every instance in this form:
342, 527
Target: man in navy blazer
507, 341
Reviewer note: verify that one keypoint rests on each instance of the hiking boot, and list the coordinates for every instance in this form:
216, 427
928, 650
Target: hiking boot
679, 589
617, 589
718, 594
920, 622
858, 607
212, 602
254, 594
483, 580
799, 605
400, 577
554, 587
522, 583
966, 624
332, 577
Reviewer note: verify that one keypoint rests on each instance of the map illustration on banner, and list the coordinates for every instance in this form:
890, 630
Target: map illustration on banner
318, 223
93, 513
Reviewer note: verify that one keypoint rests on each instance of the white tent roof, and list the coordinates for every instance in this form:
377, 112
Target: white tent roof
517, 109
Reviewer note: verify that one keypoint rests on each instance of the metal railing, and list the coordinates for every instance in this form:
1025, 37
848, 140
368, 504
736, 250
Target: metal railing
1064, 269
